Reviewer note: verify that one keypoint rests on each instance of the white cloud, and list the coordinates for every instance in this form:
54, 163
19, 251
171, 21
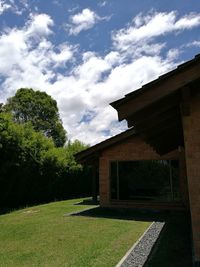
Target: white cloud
4, 5
83, 21
195, 43
113, 58
29, 59
39, 25
64, 55
173, 54
187, 22
92, 68
16, 49
10, 5
144, 28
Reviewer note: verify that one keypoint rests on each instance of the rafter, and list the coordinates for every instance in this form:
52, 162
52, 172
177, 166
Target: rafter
149, 112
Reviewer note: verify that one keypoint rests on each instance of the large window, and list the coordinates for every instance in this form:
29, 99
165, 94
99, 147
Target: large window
152, 180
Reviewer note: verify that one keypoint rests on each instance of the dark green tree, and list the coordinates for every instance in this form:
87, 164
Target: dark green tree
33, 170
21, 159
41, 110
1, 107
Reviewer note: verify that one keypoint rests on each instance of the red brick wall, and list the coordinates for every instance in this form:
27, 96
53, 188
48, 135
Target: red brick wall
131, 149
191, 125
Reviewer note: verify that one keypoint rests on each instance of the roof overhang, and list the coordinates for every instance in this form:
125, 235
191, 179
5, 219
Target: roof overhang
156, 109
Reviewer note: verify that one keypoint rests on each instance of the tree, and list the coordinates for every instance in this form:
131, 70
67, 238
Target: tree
22, 150
72, 148
41, 110
76, 146
33, 170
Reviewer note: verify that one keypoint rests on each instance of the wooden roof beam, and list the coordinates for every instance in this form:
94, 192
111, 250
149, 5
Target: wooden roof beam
164, 144
160, 127
164, 137
152, 111
166, 149
153, 121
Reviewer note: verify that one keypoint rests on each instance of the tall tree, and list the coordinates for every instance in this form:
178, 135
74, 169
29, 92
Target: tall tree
41, 110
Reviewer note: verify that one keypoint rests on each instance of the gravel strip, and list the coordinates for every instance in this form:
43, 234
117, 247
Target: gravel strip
139, 253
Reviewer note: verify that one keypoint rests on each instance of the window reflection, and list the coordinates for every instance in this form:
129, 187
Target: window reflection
152, 180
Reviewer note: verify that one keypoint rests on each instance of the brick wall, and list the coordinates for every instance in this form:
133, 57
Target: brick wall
191, 126
131, 149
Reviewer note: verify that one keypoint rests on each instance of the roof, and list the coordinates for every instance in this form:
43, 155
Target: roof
154, 110
159, 80
92, 153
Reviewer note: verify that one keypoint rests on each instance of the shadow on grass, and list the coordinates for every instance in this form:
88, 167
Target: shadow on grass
173, 248
5, 210
87, 202
124, 214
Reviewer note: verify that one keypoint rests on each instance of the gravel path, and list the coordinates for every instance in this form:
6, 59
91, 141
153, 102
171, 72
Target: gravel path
138, 254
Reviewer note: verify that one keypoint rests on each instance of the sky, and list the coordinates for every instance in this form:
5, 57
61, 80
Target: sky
88, 53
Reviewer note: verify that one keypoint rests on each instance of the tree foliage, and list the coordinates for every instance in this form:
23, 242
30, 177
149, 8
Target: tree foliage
33, 169
72, 148
41, 110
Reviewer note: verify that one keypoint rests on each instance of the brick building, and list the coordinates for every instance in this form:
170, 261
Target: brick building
156, 163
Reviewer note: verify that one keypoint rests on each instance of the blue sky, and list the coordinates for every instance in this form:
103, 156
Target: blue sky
88, 53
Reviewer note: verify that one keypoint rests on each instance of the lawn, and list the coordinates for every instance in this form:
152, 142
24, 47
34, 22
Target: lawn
46, 235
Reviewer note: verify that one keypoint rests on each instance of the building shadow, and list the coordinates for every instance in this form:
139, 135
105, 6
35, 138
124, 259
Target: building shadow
88, 201
125, 214
173, 247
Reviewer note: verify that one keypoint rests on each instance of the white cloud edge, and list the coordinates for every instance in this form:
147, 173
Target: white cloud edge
83, 21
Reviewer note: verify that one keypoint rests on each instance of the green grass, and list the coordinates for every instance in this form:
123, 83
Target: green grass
44, 236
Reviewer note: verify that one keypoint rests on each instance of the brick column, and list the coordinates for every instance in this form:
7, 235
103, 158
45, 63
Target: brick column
104, 183
191, 129
95, 181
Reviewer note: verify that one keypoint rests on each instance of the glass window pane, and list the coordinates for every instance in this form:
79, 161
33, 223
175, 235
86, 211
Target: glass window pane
152, 180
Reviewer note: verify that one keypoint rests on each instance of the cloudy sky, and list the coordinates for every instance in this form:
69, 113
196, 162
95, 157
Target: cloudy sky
88, 53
